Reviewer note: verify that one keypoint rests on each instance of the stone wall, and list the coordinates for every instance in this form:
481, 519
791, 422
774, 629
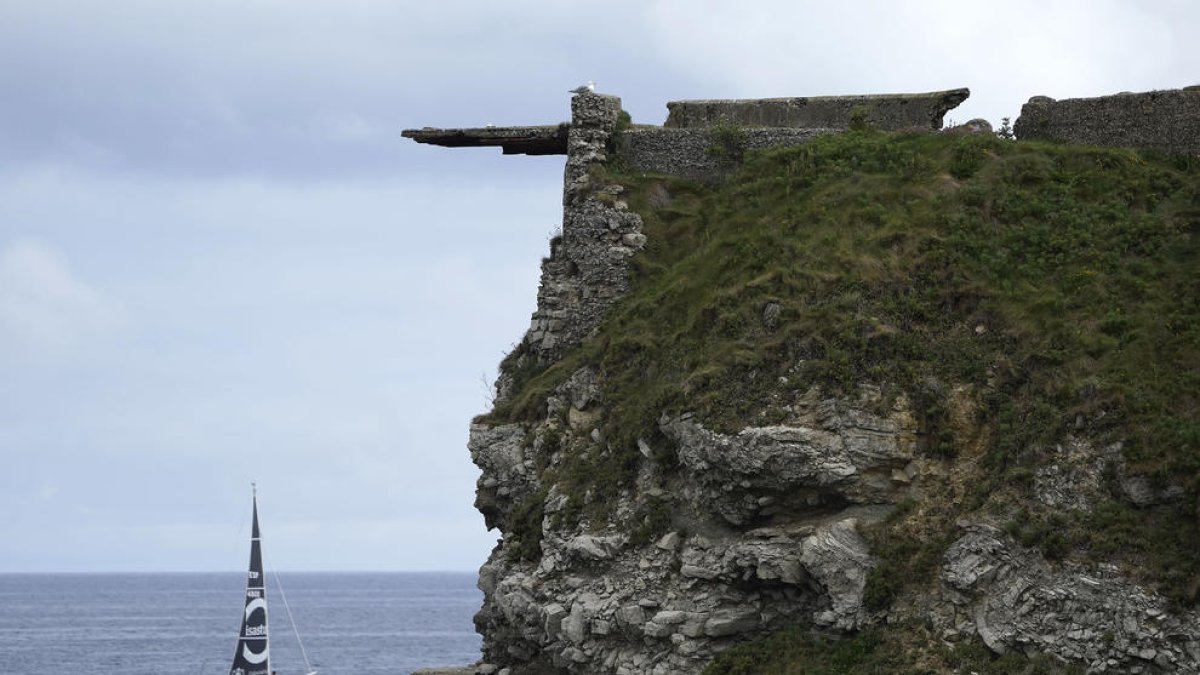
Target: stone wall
884, 111
695, 153
588, 267
1162, 120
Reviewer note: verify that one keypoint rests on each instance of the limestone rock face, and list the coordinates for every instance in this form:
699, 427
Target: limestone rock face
602, 598
1012, 599
841, 453
839, 558
507, 475
765, 530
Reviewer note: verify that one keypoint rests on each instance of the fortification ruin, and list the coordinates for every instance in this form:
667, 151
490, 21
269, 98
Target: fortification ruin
1167, 120
681, 146
588, 266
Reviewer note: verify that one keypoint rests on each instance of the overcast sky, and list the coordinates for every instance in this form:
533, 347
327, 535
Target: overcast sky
219, 262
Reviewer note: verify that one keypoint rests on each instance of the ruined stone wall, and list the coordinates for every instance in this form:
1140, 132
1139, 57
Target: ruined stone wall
1162, 120
697, 153
588, 267
706, 139
883, 111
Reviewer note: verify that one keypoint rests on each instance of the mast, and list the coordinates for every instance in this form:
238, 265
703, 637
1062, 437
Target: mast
252, 654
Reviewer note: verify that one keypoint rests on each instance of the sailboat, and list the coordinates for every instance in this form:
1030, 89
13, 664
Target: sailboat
253, 654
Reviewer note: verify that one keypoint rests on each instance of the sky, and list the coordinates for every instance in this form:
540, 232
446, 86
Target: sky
220, 263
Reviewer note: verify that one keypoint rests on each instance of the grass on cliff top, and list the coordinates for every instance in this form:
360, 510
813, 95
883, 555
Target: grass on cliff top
1059, 284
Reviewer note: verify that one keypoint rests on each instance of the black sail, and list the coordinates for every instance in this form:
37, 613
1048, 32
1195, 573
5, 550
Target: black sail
252, 656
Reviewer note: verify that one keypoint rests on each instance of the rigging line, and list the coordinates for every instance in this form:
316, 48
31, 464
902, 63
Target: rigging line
287, 608
292, 620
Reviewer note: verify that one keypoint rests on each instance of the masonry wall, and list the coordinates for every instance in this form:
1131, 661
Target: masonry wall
588, 267
883, 111
1163, 120
699, 153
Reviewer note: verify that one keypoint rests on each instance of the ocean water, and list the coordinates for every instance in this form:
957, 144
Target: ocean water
164, 624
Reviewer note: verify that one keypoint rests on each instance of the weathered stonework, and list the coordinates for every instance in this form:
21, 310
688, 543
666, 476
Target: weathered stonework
697, 153
588, 267
883, 111
1162, 120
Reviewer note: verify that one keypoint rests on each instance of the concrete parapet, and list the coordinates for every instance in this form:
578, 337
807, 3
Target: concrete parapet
884, 111
1166, 120
695, 153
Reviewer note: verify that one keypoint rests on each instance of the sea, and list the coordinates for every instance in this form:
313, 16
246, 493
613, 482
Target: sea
359, 623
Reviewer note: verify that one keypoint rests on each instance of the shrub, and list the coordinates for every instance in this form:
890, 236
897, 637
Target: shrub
727, 144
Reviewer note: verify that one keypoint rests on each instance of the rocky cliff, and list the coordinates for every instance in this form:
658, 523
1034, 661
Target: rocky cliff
910, 402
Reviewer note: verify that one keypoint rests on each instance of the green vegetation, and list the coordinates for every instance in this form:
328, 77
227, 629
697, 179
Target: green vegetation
903, 557
1006, 131
1057, 286
526, 527
860, 118
624, 123
728, 145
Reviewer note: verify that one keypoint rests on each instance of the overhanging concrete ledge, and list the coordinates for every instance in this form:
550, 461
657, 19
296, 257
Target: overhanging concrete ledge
531, 140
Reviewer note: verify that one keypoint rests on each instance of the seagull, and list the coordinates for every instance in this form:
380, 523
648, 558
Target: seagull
588, 88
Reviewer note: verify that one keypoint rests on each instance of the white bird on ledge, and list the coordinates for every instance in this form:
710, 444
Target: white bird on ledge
589, 88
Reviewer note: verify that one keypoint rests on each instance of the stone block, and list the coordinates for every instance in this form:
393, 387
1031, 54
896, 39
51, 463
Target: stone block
731, 621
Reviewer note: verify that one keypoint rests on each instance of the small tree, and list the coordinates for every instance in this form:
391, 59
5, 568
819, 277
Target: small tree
1006, 131
860, 118
728, 144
